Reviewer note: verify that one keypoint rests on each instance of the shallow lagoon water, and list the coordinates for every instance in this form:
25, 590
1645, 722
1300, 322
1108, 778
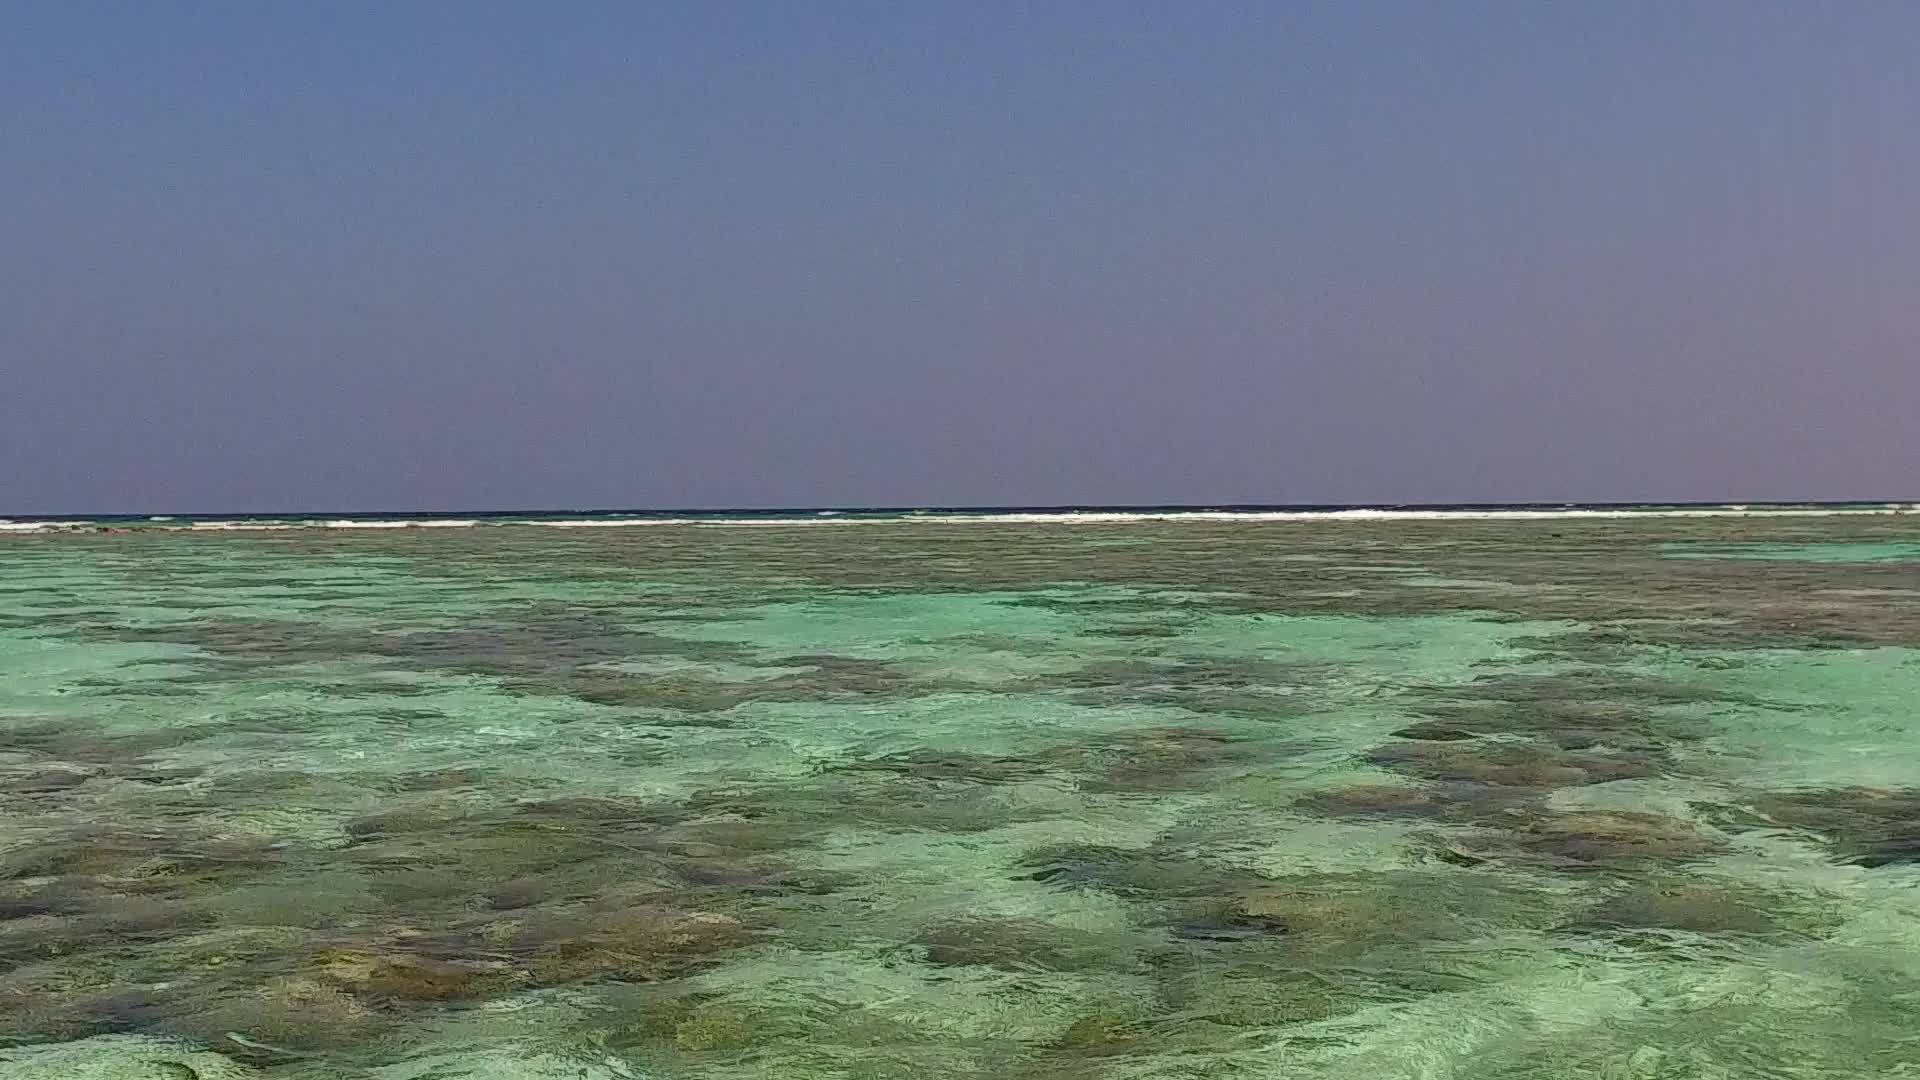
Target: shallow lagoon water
1441, 799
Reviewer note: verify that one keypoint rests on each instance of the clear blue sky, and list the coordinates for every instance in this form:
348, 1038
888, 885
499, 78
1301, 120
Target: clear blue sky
286, 255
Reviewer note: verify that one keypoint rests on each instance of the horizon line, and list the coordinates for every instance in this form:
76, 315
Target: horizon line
949, 508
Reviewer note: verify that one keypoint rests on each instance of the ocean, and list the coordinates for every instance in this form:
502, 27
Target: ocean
1488, 793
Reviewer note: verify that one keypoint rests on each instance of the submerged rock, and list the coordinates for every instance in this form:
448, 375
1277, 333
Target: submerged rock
1323, 912
42, 1002
509, 1062
221, 947
416, 978
1014, 945
45, 896
1506, 764
407, 819
273, 1021
650, 1016
1698, 907
1254, 996
1864, 826
119, 1057
639, 943
439, 779
1450, 802
953, 765
1372, 800
1338, 912
1132, 872
44, 779
1161, 760
301, 1012
1103, 1032
711, 1027
1596, 839
1435, 731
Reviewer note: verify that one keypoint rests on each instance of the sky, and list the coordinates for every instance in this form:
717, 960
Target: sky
273, 256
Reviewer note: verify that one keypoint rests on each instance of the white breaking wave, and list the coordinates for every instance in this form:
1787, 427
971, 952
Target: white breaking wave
424, 523
601, 523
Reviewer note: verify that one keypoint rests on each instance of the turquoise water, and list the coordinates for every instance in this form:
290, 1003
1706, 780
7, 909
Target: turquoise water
1840, 552
1400, 798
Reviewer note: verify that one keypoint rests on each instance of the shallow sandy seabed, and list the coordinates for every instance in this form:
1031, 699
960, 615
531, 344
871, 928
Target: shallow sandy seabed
1628, 798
